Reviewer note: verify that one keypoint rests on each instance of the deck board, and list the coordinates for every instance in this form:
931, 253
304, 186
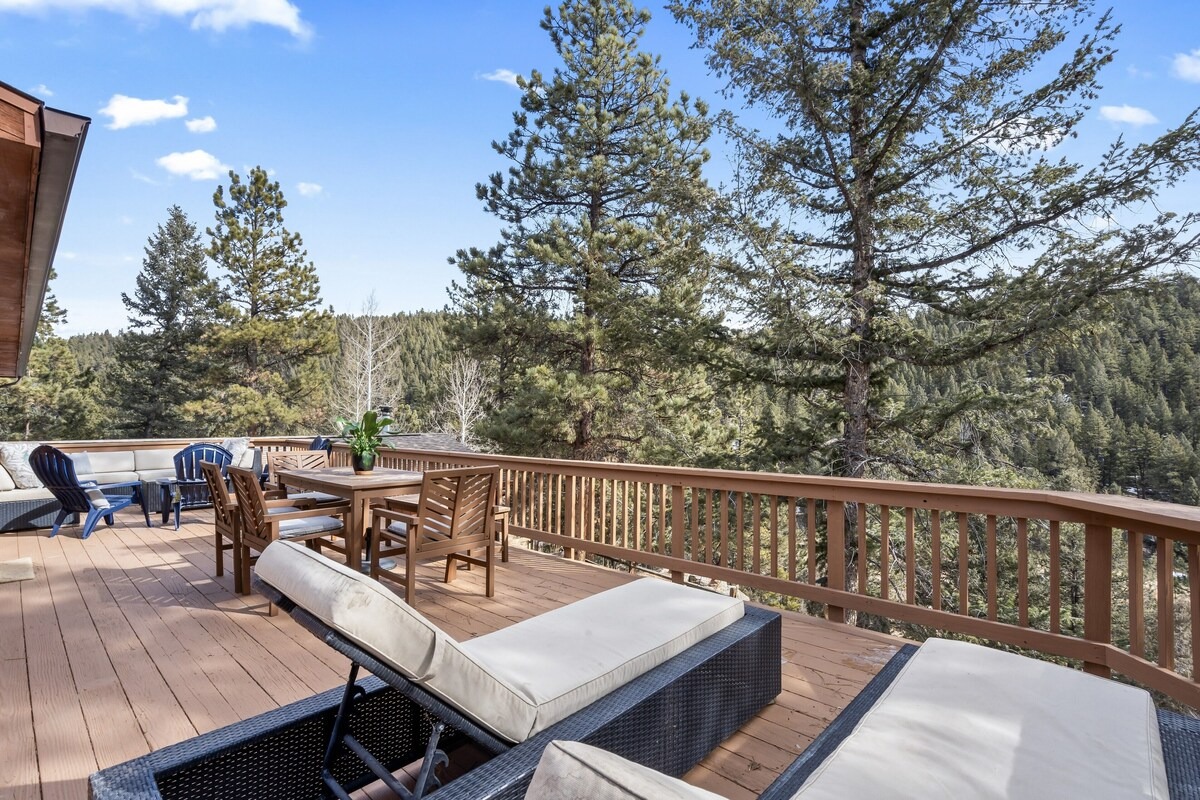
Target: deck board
128, 642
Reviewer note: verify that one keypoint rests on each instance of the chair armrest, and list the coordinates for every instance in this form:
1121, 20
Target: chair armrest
408, 502
303, 503
328, 511
396, 516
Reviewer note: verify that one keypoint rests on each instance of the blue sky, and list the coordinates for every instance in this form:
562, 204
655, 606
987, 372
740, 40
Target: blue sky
375, 117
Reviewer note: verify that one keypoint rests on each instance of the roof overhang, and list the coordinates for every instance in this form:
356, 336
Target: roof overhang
39, 155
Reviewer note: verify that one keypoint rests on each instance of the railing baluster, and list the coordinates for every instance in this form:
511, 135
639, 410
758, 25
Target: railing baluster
694, 522
1193, 559
1137, 594
885, 551
1023, 572
725, 551
835, 555
993, 603
910, 558
570, 521
935, 554
861, 561
1055, 577
811, 524
677, 533
1165, 556
756, 529
740, 522
964, 574
774, 534
791, 534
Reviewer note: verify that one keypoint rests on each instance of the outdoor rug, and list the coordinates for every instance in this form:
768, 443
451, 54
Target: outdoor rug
20, 569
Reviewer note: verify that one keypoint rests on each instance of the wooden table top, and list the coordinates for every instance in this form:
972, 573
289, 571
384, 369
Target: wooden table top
344, 478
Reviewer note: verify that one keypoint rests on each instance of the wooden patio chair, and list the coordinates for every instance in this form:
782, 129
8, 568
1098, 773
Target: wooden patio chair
226, 523
262, 521
301, 459
409, 504
455, 514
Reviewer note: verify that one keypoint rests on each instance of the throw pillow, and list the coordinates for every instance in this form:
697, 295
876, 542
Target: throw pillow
15, 458
576, 771
236, 447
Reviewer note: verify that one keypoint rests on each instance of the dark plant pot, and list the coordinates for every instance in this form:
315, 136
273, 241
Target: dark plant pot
363, 463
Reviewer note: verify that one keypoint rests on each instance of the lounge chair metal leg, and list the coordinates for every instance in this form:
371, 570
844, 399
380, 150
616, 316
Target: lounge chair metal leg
426, 780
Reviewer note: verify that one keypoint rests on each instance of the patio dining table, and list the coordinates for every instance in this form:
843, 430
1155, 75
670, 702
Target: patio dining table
360, 490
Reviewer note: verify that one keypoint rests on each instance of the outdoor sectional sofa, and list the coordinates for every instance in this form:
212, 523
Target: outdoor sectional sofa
22, 509
669, 673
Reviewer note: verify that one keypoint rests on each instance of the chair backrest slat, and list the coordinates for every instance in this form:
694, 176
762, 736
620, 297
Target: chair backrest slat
223, 505
457, 503
251, 504
56, 471
296, 459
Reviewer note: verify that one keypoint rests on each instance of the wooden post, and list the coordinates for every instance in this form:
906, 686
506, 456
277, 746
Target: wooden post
1097, 591
569, 552
835, 555
677, 533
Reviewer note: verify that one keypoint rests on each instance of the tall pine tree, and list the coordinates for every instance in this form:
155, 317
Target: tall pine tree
601, 273
161, 360
911, 168
268, 378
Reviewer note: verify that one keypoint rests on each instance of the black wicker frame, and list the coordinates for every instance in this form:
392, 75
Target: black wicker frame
1180, 739
667, 719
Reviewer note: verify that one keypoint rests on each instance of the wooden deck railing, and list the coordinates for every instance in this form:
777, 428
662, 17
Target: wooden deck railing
1029, 569
924, 554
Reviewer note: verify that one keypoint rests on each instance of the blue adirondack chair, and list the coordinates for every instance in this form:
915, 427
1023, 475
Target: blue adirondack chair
56, 471
189, 489
321, 443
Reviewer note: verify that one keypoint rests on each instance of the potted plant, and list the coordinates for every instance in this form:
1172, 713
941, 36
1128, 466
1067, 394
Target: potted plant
365, 437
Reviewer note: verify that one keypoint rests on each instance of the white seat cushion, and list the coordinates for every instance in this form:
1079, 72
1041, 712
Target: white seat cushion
576, 771
289, 528
153, 459
519, 680
961, 720
14, 495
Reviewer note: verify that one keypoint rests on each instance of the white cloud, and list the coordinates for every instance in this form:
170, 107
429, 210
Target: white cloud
1020, 136
195, 164
126, 112
41, 90
144, 178
501, 75
1131, 115
1137, 72
216, 15
309, 189
201, 125
1187, 66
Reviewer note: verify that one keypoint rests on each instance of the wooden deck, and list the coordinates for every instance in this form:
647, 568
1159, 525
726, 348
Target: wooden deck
127, 642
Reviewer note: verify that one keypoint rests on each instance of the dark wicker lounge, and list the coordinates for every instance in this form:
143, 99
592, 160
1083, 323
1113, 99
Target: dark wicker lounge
668, 719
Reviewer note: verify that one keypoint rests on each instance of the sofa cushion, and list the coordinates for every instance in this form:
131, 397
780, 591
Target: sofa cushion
6, 480
155, 474
109, 461
15, 458
519, 680
990, 724
110, 477
83, 463
154, 459
16, 495
576, 771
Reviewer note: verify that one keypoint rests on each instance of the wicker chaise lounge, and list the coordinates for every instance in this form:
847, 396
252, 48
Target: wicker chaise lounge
667, 705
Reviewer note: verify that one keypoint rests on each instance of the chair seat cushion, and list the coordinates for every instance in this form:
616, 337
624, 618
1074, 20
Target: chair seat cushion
961, 720
289, 528
519, 680
316, 497
15, 495
576, 771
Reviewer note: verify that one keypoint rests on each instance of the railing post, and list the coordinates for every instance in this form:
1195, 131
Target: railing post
569, 552
1097, 591
835, 555
677, 534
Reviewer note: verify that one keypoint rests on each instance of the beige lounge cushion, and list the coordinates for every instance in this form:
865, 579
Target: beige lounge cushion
110, 461
565, 659
155, 474
15, 458
519, 680
156, 458
110, 477
576, 771
961, 720
6, 480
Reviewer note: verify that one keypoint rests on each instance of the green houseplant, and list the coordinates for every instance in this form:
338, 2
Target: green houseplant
365, 437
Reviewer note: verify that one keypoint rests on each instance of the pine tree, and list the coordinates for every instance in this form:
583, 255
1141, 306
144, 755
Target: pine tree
268, 378
909, 171
579, 313
161, 360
